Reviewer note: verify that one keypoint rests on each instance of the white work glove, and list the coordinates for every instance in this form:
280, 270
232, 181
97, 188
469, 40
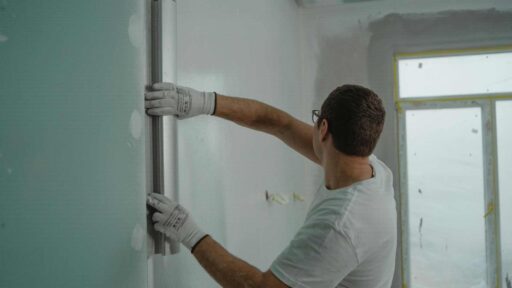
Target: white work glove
174, 221
183, 102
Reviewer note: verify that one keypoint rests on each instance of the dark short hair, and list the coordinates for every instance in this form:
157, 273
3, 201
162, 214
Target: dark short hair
356, 118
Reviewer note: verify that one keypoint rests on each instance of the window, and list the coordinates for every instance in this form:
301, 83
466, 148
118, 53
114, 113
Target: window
454, 117
455, 75
446, 200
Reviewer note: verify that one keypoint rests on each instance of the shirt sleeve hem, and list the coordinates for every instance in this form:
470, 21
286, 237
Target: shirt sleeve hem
285, 278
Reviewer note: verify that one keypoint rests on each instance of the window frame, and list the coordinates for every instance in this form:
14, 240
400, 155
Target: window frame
487, 104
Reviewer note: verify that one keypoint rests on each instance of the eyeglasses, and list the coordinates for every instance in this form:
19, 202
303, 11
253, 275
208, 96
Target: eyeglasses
315, 116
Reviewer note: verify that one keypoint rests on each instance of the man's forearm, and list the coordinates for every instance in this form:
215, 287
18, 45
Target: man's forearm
252, 114
226, 269
262, 117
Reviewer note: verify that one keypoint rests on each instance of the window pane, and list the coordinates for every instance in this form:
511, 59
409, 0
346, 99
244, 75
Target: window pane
455, 75
504, 118
446, 198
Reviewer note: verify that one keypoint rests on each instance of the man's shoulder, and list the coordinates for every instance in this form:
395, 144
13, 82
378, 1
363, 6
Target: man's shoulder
331, 206
375, 161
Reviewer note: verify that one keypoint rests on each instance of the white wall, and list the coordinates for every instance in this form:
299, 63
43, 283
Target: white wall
291, 58
248, 49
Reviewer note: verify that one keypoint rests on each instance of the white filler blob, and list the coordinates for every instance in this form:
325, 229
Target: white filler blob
3, 38
136, 31
135, 124
138, 236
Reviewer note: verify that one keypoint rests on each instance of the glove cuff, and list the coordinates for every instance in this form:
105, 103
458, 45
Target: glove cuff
197, 243
210, 100
193, 238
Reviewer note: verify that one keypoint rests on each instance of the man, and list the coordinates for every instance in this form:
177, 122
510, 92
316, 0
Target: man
349, 236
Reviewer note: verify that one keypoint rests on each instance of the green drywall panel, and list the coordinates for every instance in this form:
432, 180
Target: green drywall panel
72, 168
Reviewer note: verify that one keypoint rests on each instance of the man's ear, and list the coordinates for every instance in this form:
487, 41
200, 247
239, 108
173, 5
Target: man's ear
324, 130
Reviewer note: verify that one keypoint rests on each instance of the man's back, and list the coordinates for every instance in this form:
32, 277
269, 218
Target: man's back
348, 238
371, 224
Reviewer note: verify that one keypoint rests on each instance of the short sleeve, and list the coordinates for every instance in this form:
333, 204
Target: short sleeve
318, 256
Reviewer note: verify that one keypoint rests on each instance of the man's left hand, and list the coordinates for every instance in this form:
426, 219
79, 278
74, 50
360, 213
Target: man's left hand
174, 221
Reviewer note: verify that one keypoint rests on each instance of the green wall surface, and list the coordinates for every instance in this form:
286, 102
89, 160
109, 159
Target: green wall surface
72, 168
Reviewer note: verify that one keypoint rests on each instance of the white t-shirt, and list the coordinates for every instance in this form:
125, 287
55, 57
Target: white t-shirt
348, 238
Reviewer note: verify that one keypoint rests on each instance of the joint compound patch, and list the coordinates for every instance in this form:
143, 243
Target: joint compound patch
176, 219
136, 31
3, 38
135, 124
138, 237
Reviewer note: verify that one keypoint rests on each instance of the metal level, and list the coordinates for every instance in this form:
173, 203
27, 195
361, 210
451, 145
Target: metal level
162, 245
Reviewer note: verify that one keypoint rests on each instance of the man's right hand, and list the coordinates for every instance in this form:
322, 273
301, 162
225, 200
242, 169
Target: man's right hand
182, 102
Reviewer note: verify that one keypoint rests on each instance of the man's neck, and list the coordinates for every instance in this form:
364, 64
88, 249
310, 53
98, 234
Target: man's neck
343, 170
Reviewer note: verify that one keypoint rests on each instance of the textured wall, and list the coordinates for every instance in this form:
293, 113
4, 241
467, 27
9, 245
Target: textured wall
72, 205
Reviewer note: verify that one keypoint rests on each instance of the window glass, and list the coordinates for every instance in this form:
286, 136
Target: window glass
504, 119
446, 198
455, 75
